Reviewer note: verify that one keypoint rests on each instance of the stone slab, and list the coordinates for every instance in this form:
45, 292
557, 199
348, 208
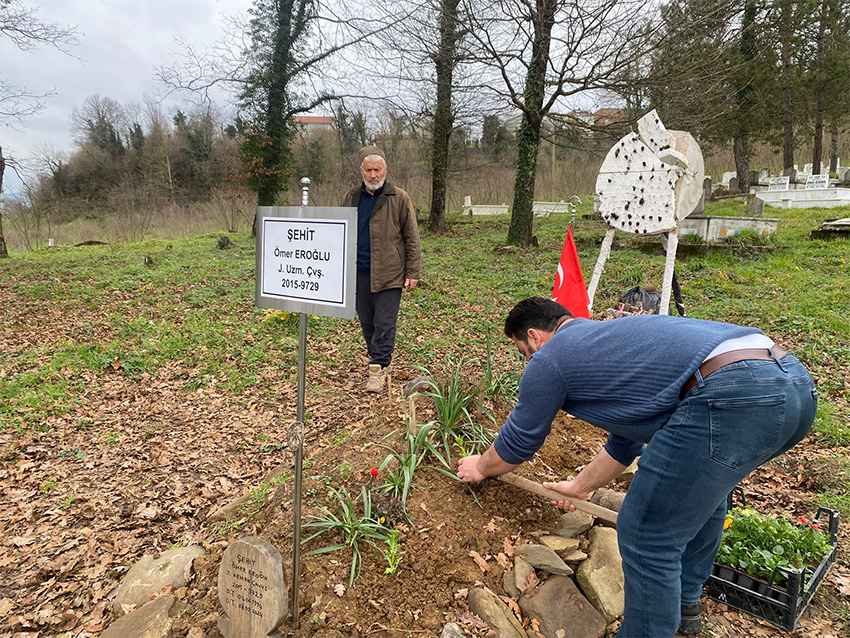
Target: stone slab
152, 620
252, 589
151, 574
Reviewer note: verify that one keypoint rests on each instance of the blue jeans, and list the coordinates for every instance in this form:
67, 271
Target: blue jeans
671, 521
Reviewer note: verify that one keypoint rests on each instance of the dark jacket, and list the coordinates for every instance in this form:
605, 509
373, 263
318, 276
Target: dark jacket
394, 237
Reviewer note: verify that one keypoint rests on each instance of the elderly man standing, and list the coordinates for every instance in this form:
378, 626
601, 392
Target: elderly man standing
388, 259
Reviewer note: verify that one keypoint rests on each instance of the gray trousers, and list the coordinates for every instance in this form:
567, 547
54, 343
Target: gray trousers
378, 314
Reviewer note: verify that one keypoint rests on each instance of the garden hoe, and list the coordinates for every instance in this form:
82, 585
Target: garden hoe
609, 516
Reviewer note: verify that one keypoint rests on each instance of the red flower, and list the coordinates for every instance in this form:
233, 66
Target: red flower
375, 472
815, 526
804, 520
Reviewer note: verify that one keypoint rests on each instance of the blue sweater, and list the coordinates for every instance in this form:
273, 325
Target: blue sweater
623, 376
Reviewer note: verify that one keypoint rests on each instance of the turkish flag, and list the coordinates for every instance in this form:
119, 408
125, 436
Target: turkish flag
569, 290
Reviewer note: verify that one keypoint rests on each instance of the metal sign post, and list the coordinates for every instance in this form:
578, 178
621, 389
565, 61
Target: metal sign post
305, 264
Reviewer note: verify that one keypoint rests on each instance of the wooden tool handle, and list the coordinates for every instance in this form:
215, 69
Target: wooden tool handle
535, 488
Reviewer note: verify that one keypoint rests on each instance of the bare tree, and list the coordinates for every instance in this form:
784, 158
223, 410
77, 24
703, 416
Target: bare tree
273, 63
4, 252
538, 55
27, 31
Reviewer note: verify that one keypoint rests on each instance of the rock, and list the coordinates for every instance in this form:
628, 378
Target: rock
574, 557
149, 575
509, 583
148, 621
522, 570
496, 614
543, 558
418, 384
559, 544
561, 611
573, 524
452, 630
629, 473
601, 575
609, 499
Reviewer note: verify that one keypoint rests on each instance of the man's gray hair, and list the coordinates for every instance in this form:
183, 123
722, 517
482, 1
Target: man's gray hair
374, 158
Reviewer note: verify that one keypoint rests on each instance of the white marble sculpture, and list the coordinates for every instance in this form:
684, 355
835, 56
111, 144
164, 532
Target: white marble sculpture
649, 181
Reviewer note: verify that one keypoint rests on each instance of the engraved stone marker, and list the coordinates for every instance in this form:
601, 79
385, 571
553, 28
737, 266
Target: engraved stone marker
817, 181
779, 183
252, 590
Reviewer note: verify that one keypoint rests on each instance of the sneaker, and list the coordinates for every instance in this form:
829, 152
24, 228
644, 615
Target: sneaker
690, 624
377, 377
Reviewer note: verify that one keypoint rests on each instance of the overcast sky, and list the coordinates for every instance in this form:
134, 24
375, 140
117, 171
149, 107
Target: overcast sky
120, 44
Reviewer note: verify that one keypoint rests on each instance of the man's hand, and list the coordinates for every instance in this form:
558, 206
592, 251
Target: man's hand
569, 489
467, 469
410, 284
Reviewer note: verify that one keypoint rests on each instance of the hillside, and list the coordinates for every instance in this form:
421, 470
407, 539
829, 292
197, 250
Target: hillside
141, 390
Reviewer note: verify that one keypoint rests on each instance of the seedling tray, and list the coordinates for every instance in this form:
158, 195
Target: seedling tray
781, 606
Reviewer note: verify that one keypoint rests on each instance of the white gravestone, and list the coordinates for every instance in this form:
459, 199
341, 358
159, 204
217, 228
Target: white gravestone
782, 183
252, 590
817, 181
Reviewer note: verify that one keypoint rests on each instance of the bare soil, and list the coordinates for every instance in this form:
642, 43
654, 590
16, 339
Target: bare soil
143, 463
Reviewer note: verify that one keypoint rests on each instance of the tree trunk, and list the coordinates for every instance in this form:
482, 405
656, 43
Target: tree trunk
833, 150
742, 163
817, 145
528, 138
522, 215
787, 94
4, 252
443, 118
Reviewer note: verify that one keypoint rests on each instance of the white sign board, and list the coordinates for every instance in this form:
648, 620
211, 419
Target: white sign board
817, 181
306, 259
781, 183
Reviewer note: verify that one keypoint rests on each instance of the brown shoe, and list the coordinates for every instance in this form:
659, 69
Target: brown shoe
377, 378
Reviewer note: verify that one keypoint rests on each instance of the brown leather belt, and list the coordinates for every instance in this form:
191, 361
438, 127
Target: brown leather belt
714, 364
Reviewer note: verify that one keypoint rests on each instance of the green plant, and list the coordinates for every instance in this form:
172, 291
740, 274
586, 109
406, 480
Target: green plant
759, 544
416, 448
345, 470
47, 486
259, 494
454, 399
112, 438
501, 385
71, 453
354, 528
393, 553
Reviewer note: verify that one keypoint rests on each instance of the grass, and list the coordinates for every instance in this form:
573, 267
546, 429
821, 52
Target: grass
190, 315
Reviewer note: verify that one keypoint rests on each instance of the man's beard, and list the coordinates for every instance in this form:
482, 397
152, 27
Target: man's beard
376, 187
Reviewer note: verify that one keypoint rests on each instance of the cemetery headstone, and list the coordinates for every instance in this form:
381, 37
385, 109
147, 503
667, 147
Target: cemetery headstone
807, 168
754, 178
764, 174
755, 206
733, 184
779, 183
791, 174
817, 181
252, 590
706, 189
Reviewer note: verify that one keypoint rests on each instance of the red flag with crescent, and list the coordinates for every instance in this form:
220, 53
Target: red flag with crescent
569, 290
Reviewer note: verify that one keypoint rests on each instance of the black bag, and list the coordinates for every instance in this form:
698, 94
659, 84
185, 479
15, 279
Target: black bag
646, 299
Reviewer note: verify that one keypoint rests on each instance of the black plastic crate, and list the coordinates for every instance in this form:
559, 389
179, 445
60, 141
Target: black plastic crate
779, 605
